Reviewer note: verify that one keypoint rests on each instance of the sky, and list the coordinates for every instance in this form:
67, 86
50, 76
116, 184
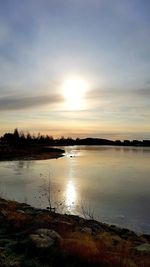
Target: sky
75, 67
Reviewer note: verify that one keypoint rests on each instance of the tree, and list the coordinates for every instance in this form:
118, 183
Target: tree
16, 134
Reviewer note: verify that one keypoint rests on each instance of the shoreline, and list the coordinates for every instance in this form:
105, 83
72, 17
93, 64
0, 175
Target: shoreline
44, 152
29, 153
35, 237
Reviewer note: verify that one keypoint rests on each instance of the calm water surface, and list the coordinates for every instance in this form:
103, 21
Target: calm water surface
111, 182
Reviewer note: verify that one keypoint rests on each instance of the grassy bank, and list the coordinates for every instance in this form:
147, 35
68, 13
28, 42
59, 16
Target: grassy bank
35, 237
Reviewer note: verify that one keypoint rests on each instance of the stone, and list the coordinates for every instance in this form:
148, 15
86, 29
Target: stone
45, 238
146, 237
3, 212
51, 233
41, 241
116, 230
143, 247
63, 226
21, 211
86, 230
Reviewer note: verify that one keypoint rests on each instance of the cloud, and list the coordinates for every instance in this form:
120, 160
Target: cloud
18, 103
96, 93
145, 92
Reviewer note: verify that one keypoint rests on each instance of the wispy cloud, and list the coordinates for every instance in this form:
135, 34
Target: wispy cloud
18, 103
118, 92
145, 92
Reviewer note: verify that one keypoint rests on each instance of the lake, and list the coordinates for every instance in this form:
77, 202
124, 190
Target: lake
111, 184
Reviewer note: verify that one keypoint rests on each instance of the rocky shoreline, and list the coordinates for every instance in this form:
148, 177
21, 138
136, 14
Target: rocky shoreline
36, 237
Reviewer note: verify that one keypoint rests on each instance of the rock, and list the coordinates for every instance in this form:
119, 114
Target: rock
86, 230
25, 205
63, 226
51, 233
145, 237
143, 248
116, 230
21, 211
45, 238
130, 235
3, 212
124, 233
32, 212
5, 242
42, 241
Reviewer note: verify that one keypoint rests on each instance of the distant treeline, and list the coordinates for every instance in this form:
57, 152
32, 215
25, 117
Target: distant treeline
18, 138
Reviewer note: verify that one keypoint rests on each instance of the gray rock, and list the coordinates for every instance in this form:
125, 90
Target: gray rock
21, 211
146, 237
143, 247
51, 233
45, 238
3, 212
87, 230
115, 229
41, 241
63, 225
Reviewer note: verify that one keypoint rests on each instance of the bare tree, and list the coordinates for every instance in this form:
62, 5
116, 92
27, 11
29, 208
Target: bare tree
46, 191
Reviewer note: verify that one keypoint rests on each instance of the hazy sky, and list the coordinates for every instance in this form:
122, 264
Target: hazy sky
104, 43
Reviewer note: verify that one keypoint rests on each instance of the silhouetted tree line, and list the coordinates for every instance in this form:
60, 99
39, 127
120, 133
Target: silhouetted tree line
18, 138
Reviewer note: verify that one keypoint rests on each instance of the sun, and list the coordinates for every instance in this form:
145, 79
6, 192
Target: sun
74, 90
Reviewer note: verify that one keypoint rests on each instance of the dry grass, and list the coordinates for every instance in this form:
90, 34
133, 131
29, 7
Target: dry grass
104, 249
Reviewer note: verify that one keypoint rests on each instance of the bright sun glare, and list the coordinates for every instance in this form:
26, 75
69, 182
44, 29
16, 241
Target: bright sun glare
73, 91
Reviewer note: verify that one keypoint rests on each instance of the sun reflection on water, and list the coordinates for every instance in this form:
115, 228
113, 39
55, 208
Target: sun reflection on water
70, 196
